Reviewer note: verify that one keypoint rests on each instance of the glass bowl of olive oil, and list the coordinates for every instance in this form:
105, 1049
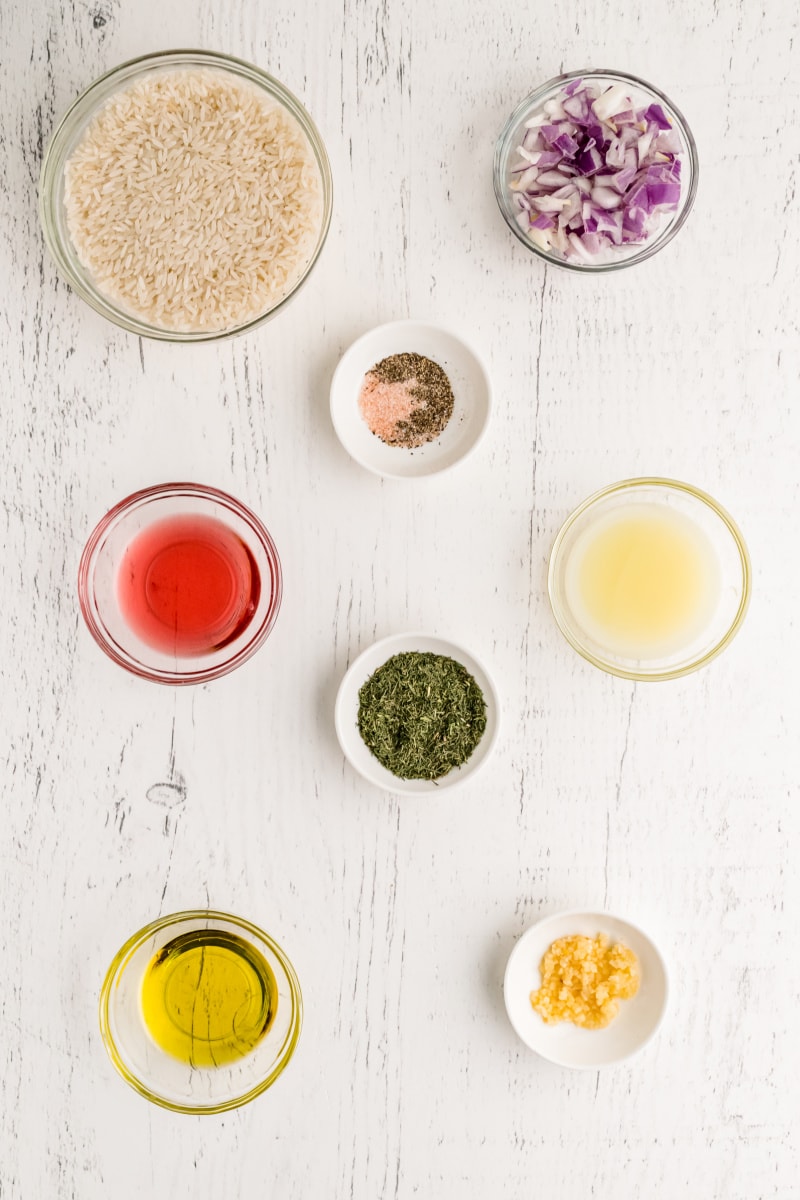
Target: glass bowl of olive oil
649, 579
200, 1011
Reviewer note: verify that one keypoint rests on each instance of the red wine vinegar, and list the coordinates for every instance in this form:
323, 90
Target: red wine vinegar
188, 585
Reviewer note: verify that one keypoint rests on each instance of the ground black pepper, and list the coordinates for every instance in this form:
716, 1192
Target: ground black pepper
428, 384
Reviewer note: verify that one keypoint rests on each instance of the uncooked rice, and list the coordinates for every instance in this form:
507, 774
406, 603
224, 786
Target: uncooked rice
193, 200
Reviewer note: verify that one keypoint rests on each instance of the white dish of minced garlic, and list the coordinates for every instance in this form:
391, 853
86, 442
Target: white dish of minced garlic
573, 1024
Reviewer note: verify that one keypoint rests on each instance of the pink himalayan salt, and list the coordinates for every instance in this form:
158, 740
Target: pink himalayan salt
383, 405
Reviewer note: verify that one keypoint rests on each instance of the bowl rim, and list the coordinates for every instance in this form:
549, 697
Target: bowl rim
601, 915
117, 966
393, 644
744, 558
109, 646
436, 328
83, 105
649, 248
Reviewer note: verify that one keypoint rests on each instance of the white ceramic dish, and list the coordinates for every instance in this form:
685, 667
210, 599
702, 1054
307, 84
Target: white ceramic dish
469, 380
564, 1043
346, 713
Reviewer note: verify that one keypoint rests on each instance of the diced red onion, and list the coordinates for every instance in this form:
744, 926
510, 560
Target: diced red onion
566, 144
607, 197
577, 107
663, 194
669, 142
634, 220
656, 113
610, 223
613, 100
623, 179
595, 172
529, 156
571, 210
551, 204
550, 179
589, 161
550, 132
615, 154
643, 147
636, 197
548, 159
526, 179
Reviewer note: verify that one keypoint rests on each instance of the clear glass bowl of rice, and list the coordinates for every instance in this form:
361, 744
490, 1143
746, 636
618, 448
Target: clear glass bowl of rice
186, 196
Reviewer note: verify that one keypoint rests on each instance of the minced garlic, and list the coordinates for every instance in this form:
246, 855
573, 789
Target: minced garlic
583, 980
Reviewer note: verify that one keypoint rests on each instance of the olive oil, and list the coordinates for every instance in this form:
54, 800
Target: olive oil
208, 998
643, 581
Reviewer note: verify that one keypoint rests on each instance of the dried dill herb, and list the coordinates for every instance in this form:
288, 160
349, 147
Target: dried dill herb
421, 715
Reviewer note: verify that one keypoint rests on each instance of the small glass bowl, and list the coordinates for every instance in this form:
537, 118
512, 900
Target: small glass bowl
52, 210
734, 577
156, 1074
511, 136
99, 569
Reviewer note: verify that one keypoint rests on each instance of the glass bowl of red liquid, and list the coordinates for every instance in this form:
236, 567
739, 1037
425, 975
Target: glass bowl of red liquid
180, 583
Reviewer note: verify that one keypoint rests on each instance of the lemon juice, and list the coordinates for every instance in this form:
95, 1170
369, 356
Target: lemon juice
208, 998
643, 581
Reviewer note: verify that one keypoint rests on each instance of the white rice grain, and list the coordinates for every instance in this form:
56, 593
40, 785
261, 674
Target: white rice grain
194, 200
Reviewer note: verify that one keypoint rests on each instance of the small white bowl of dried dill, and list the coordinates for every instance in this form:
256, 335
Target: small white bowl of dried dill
410, 399
416, 714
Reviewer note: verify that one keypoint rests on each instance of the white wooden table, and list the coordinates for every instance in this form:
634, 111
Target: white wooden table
675, 804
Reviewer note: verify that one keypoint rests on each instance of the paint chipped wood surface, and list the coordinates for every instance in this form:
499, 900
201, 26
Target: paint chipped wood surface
676, 805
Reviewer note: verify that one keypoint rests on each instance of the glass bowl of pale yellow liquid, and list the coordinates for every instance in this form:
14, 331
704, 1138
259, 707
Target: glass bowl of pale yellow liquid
649, 579
200, 1011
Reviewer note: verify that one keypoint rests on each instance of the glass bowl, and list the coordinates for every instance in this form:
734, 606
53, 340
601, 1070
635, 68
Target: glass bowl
731, 570
159, 1075
70, 131
511, 136
108, 553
